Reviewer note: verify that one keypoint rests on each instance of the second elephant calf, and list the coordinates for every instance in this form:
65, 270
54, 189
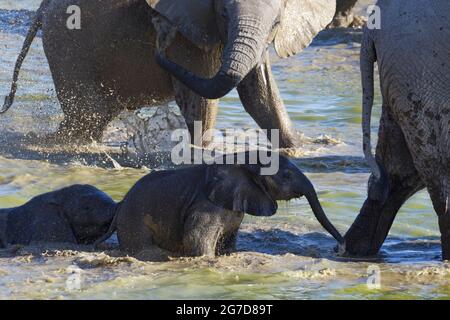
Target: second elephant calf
78, 214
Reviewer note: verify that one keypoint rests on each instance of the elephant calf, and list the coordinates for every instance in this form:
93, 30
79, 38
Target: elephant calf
77, 214
197, 210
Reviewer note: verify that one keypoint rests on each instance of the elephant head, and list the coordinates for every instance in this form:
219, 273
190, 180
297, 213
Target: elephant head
88, 210
243, 188
246, 28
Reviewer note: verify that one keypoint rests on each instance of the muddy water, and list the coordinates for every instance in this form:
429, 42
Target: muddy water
286, 256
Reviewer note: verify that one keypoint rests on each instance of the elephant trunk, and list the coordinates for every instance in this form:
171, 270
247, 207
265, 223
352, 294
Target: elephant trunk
243, 51
320, 215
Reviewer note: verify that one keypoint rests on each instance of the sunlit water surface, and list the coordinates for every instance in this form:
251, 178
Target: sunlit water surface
285, 256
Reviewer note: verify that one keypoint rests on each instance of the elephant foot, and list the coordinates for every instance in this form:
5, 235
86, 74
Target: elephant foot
361, 237
358, 244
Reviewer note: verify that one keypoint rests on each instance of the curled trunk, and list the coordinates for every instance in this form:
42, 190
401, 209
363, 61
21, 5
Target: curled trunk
243, 51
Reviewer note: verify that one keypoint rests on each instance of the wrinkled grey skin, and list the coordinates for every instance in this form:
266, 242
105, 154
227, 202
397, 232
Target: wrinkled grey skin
110, 64
413, 152
198, 210
78, 214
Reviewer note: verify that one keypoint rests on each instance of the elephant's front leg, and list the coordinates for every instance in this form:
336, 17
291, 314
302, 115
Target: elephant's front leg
201, 235
196, 108
400, 181
227, 244
261, 99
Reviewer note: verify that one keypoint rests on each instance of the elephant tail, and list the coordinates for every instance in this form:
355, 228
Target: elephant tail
111, 230
368, 58
35, 27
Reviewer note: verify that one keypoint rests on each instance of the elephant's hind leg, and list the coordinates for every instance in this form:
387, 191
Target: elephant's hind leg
138, 242
438, 184
371, 227
87, 111
440, 195
227, 243
444, 227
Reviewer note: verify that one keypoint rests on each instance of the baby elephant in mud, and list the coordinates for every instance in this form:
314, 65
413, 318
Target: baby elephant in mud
77, 214
198, 210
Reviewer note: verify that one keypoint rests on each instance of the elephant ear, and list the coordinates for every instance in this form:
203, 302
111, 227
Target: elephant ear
194, 19
236, 188
301, 21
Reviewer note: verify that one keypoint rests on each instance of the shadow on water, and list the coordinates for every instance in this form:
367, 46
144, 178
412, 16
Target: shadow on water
319, 245
280, 242
411, 249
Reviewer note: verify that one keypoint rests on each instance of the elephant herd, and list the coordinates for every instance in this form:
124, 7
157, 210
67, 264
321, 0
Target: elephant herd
131, 53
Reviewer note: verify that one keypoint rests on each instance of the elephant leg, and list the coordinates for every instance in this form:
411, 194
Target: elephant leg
227, 243
261, 99
200, 236
87, 111
371, 227
438, 179
444, 227
196, 108
135, 237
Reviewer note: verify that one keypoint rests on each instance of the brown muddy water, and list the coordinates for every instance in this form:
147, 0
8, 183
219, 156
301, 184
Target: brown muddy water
285, 256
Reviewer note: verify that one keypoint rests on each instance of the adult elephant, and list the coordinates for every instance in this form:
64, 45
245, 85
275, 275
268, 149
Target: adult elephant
412, 48
109, 63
